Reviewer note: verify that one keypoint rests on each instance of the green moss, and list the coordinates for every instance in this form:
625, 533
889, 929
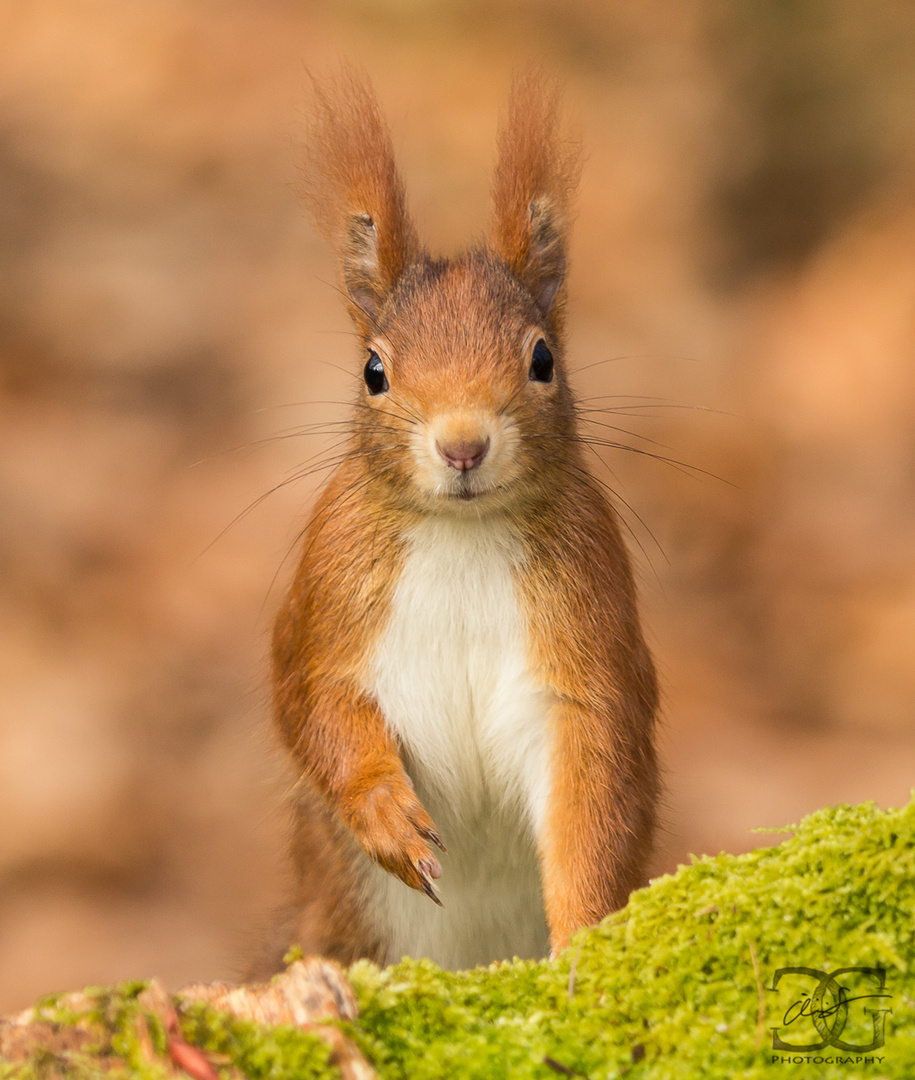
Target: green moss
669, 987
278, 1053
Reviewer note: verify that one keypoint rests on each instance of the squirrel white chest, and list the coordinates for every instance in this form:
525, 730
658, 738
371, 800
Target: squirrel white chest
451, 673
452, 678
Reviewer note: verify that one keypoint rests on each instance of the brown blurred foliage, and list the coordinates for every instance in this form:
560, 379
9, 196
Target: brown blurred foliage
743, 303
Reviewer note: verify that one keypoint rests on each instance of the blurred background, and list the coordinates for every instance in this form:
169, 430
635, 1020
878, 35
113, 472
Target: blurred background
743, 296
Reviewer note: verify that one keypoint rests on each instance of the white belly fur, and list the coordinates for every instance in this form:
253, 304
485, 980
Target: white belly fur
451, 677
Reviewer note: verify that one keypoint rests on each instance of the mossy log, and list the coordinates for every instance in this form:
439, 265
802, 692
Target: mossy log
796, 959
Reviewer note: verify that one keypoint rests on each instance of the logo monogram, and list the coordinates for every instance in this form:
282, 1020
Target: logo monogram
830, 1016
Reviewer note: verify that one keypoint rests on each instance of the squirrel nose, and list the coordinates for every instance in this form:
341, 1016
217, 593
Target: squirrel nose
463, 456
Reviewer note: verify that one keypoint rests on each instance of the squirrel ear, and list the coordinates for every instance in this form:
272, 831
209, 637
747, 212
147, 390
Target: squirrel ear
536, 177
545, 267
355, 194
363, 280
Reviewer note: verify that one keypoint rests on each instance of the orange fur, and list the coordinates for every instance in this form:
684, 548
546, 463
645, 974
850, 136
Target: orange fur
456, 339
355, 195
587, 643
535, 182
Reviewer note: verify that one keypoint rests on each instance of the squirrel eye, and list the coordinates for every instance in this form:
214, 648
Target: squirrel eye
541, 363
375, 378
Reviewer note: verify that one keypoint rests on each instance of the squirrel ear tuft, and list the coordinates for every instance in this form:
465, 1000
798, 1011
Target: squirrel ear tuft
536, 177
355, 194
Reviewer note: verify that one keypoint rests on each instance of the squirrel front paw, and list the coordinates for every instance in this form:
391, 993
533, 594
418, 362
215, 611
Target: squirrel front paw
393, 828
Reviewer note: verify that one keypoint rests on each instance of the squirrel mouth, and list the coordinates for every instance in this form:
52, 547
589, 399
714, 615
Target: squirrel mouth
466, 489
464, 494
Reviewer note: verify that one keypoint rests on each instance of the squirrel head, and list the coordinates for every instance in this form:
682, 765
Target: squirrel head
465, 397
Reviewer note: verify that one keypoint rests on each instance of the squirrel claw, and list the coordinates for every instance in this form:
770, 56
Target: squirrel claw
433, 837
430, 892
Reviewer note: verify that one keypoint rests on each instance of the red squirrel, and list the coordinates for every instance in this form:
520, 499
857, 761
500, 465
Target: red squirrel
460, 675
